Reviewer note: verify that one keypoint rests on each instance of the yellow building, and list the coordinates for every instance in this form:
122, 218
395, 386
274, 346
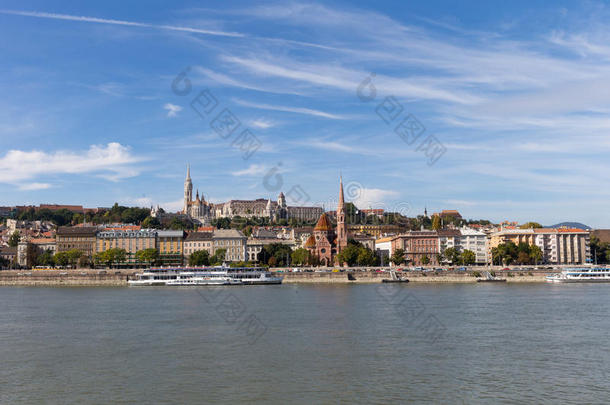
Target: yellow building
373, 230
130, 240
171, 247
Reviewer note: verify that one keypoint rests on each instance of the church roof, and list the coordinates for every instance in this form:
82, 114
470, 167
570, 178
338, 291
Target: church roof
311, 242
323, 224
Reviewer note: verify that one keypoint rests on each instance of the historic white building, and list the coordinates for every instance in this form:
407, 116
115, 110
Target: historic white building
201, 210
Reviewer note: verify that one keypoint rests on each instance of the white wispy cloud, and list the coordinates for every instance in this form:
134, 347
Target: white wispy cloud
34, 186
262, 123
252, 170
96, 20
172, 109
114, 161
297, 110
146, 202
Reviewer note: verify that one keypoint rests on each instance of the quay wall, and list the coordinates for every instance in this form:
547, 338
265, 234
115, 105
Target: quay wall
111, 277
413, 277
77, 277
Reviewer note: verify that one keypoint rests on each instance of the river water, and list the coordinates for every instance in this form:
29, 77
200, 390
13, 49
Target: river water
303, 344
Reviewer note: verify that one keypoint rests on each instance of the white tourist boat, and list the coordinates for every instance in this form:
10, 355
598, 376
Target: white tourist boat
199, 276
581, 275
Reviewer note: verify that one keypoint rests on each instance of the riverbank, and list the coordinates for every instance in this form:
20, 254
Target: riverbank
119, 278
413, 277
75, 278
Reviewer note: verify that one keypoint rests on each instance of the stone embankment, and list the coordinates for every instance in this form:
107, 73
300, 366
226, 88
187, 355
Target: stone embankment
78, 277
412, 276
112, 277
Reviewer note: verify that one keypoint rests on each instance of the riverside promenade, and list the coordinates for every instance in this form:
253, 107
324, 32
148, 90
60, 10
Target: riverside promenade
119, 278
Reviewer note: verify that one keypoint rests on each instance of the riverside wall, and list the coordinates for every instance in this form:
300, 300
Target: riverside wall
78, 277
119, 278
412, 276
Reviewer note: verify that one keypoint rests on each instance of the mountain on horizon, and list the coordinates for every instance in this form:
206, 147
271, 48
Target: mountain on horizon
577, 225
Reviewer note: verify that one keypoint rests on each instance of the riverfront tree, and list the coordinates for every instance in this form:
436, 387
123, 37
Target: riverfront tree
452, 255
73, 256
425, 260
300, 257
13, 241
366, 257
45, 259
199, 258
523, 258
61, 259
468, 257
398, 257
218, 257
280, 252
148, 256
349, 255
110, 256
535, 254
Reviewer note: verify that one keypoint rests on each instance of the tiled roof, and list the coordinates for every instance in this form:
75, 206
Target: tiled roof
71, 230
311, 242
197, 236
323, 224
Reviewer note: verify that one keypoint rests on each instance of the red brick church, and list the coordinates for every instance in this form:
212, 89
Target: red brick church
325, 243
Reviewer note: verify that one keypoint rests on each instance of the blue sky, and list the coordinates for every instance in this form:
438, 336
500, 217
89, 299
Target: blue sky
516, 92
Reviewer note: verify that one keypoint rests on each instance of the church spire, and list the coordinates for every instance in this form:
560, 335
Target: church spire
188, 171
341, 228
341, 205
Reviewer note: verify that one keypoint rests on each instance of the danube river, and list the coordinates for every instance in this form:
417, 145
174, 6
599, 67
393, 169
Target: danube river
475, 343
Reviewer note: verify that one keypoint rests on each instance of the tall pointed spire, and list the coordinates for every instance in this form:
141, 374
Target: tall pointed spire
188, 171
341, 240
341, 204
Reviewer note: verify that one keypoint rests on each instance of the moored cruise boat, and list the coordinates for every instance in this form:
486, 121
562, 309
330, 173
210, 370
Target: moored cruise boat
198, 276
581, 275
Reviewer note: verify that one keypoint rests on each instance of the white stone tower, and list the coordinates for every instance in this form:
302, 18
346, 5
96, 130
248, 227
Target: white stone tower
188, 190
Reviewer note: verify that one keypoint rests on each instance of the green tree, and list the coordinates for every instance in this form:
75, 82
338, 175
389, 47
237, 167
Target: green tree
148, 256
468, 257
529, 225
110, 256
151, 223
279, 252
300, 257
222, 223
366, 257
219, 257
436, 222
535, 254
425, 260
45, 259
398, 257
523, 258
14, 239
452, 255
199, 258
180, 224
349, 255
73, 256
61, 258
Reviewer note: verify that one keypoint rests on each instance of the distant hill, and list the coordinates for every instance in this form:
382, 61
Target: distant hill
571, 225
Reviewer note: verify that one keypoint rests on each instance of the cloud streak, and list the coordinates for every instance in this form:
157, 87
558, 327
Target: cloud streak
96, 20
296, 110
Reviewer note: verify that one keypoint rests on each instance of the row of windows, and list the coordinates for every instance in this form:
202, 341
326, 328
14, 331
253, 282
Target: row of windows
230, 242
